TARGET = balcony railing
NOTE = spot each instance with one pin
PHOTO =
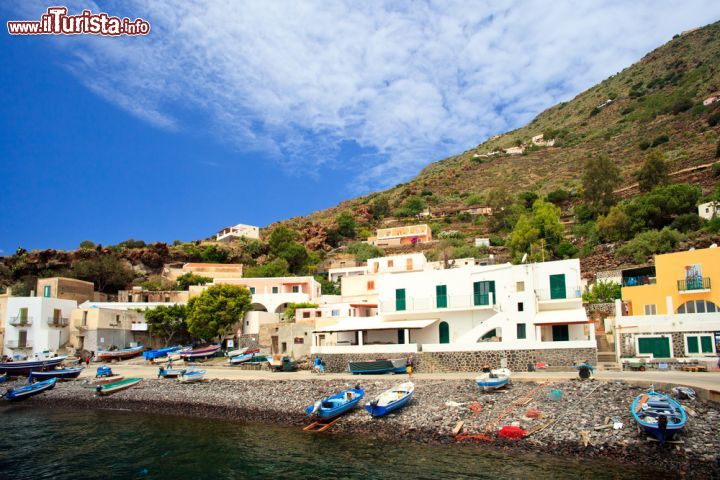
(20, 321)
(568, 293)
(58, 321)
(639, 280)
(693, 284)
(15, 344)
(80, 324)
(446, 302)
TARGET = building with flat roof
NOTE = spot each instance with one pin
(210, 270)
(36, 324)
(238, 231)
(68, 289)
(408, 235)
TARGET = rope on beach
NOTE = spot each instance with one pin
(552, 423)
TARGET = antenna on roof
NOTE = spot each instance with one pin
(524, 258)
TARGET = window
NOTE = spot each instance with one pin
(252, 290)
(560, 333)
(84, 319)
(698, 306)
(409, 264)
(371, 285)
(275, 289)
(296, 289)
(521, 332)
(284, 347)
(651, 309)
(658, 347)
(376, 267)
(46, 291)
(557, 287)
(520, 286)
(482, 291)
(391, 263)
(521, 307)
(698, 344)
(335, 313)
(441, 296)
(306, 314)
(400, 299)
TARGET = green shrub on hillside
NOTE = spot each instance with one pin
(659, 140)
(654, 172)
(474, 199)
(687, 222)
(644, 145)
(557, 196)
(566, 250)
(645, 244)
(714, 119)
(602, 292)
(363, 252)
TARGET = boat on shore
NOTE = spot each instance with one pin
(38, 363)
(282, 363)
(3, 378)
(113, 387)
(192, 375)
(377, 367)
(199, 353)
(336, 405)
(494, 379)
(159, 353)
(27, 391)
(238, 359)
(170, 372)
(59, 373)
(105, 380)
(390, 400)
(658, 414)
(121, 354)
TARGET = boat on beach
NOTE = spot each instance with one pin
(192, 375)
(38, 363)
(238, 359)
(336, 405)
(121, 354)
(113, 387)
(59, 373)
(199, 353)
(658, 414)
(27, 391)
(160, 353)
(377, 367)
(170, 372)
(105, 380)
(3, 378)
(494, 379)
(390, 400)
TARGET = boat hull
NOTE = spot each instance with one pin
(110, 388)
(647, 419)
(106, 380)
(28, 391)
(25, 367)
(240, 358)
(377, 367)
(494, 380)
(200, 353)
(382, 410)
(192, 377)
(123, 354)
(159, 353)
(171, 373)
(60, 374)
(326, 412)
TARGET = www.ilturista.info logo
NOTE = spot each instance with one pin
(57, 22)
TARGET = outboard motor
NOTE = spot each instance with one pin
(316, 407)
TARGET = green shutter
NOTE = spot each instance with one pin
(444, 332)
(441, 296)
(658, 347)
(706, 344)
(557, 286)
(481, 291)
(400, 299)
(521, 333)
(692, 345)
(46, 291)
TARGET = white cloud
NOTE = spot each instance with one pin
(413, 81)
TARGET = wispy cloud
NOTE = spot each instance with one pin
(412, 82)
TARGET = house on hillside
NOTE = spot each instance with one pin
(238, 231)
(711, 100)
(540, 141)
(709, 210)
(519, 150)
(408, 235)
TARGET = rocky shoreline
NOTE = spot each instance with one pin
(577, 425)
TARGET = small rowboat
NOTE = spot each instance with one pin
(106, 380)
(203, 352)
(17, 394)
(192, 375)
(123, 354)
(240, 358)
(170, 372)
(59, 373)
(493, 379)
(658, 414)
(113, 387)
(336, 405)
(378, 366)
(390, 400)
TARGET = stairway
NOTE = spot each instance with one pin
(606, 354)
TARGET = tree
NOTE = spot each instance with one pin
(414, 204)
(283, 245)
(186, 280)
(292, 307)
(559, 195)
(600, 177)
(503, 213)
(528, 198)
(107, 272)
(346, 225)
(327, 287)
(654, 171)
(87, 245)
(523, 236)
(651, 242)
(615, 226)
(131, 243)
(363, 251)
(212, 314)
(474, 199)
(275, 268)
(546, 218)
(214, 254)
(167, 322)
(380, 207)
(280, 238)
(603, 292)
(658, 208)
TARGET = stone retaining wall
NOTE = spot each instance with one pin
(248, 341)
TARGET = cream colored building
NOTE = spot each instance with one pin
(68, 289)
(210, 270)
(408, 235)
(140, 295)
(238, 231)
(93, 329)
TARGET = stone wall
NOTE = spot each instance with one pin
(439, 362)
(248, 341)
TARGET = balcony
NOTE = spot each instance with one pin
(561, 298)
(437, 304)
(81, 324)
(638, 281)
(16, 345)
(20, 321)
(58, 322)
(695, 285)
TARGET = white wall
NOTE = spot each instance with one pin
(40, 335)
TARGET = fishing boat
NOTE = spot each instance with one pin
(59, 373)
(197, 353)
(238, 359)
(494, 379)
(658, 414)
(336, 405)
(122, 354)
(21, 393)
(105, 380)
(38, 363)
(113, 387)
(282, 363)
(3, 378)
(192, 375)
(378, 366)
(170, 372)
(391, 399)
(159, 353)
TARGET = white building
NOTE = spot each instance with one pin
(335, 274)
(709, 210)
(36, 324)
(238, 231)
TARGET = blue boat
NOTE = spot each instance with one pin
(59, 373)
(192, 375)
(658, 414)
(493, 379)
(170, 372)
(160, 352)
(391, 400)
(237, 359)
(336, 405)
(17, 394)
(3, 378)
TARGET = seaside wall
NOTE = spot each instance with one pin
(441, 362)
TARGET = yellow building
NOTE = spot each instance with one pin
(671, 309)
(408, 235)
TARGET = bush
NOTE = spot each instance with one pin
(497, 241)
(566, 250)
(658, 208)
(714, 119)
(582, 213)
(426, 193)
(645, 244)
(363, 252)
(346, 225)
(644, 145)
(594, 111)
(558, 196)
(451, 234)
(528, 198)
(654, 172)
(659, 140)
(474, 199)
(132, 243)
(186, 280)
(681, 105)
(687, 222)
(603, 292)
(713, 226)
(463, 217)
(213, 254)
(87, 245)
(414, 204)
(627, 110)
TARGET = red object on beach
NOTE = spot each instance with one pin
(532, 413)
(508, 431)
(540, 365)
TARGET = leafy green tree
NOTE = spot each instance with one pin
(131, 243)
(654, 171)
(327, 287)
(649, 243)
(280, 238)
(283, 245)
(214, 254)
(603, 292)
(528, 198)
(185, 280)
(107, 272)
(346, 225)
(277, 267)
(212, 314)
(474, 199)
(289, 313)
(557, 196)
(87, 245)
(566, 250)
(380, 207)
(614, 226)
(363, 252)
(523, 236)
(503, 212)
(168, 322)
(600, 177)
(414, 204)
(658, 208)
(546, 218)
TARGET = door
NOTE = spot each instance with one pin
(274, 346)
(557, 286)
(24, 315)
(441, 296)
(481, 292)
(561, 333)
(444, 332)
(400, 299)
(22, 338)
(658, 347)
(401, 336)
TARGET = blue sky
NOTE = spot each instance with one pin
(254, 112)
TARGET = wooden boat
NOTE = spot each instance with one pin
(170, 372)
(336, 405)
(122, 354)
(238, 359)
(3, 378)
(39, 363)
(17, 394)
(493, 379)
(105, 380)
(378, 366)
(282, 363)
(113, 387)
(160, 352)
(391, 399)
(191, 375)
(204, 352)
(59, 373)
(658, 414)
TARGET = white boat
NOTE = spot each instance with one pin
(192, 375)
(235, 353)
(494, 379)
(390, 400)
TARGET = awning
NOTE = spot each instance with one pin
(561, 317)
(365, 323)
